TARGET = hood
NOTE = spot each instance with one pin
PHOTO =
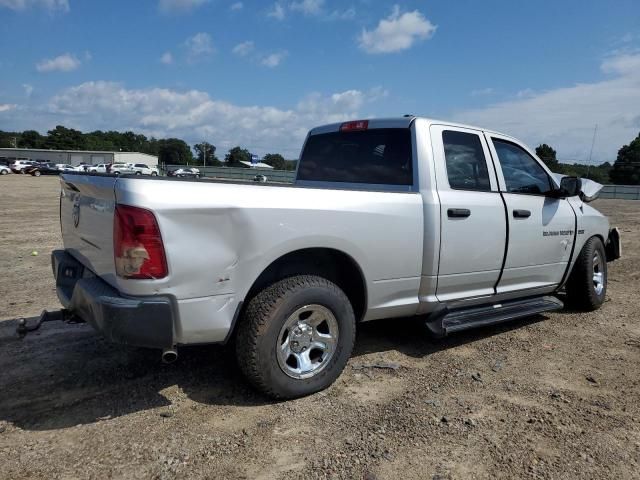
(589, 190)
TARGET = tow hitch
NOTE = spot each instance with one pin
(57, 315)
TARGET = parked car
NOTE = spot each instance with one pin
(82, 167)
(19, 165)
(121, 168)
(184, 172)
(101, 168)
(143, 169)
(42, 169)
(406, 217)
(64, 167)
(4, 170)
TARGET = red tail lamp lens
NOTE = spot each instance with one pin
(137, 244)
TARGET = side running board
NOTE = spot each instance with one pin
(450, 321)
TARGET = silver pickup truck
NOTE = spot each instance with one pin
(402, 217)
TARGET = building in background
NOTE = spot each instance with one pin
(76, 157)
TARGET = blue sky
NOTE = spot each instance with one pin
(260, 74)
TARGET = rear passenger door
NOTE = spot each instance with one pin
(541, 227)
(473, 225)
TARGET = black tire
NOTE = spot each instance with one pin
(154, 174)
(582, 289)
(36, 173)
(259, 331)
(138, 173)
(3, 172)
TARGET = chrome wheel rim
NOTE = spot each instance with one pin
(307, 341)
(598, 274)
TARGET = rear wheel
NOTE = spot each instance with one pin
(587, 285)
(3, 172)
(138, 173)
(296, 336)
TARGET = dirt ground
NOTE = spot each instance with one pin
(553, 396)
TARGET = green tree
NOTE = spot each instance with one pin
(626, 169)
(548, 156)
(276, 160)
(237, 155)
(62, 138)
(30, 139)
(173, 151)
(206, 154)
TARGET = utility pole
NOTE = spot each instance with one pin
(593, 142)
(204, 154)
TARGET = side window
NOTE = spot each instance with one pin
(466, 163)
(522, 173)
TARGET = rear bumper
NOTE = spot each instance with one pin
(138, 321)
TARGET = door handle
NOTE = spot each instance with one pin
(458, 212)
(521, 214)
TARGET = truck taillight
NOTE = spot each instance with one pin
(137, 244)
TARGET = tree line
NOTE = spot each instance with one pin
(624, 171)
(170, 151)
(174, 151)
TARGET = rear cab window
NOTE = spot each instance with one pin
(379, 156)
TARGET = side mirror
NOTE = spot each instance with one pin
(570, 186)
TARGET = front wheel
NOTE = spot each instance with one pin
(296, 336)
(3, 172)
(587, 285)
(36, 173)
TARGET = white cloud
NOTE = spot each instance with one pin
(63, 63)
(192, 115)
(167, 58)
(480, 92)
(28, 90)
(348, 14)
(179, 6)
(397, 32)
(277, 12)
(236, 6)
(243, 49)
(272, 60)
(51, 5)
(5, 107)
(199, 47)
(565, 117)
(308, 7)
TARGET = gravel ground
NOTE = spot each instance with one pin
(552, 396)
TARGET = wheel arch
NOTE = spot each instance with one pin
(330, 263)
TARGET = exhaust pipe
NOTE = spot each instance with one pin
(169, 355)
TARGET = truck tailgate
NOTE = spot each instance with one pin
(87, 205)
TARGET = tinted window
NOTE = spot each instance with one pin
(141, 165)
(376, 156)
(466, 163)
(522, 173)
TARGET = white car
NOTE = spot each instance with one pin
(4, 170)
(64, 167)
(102, 168)
(83, 167)
(19, 165)
(142, 169)
(121, 168)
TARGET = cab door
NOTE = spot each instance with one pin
(472, 215)
(541, 228)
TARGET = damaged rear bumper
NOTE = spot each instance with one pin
(137, 321)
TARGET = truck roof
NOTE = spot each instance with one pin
(397, 122)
